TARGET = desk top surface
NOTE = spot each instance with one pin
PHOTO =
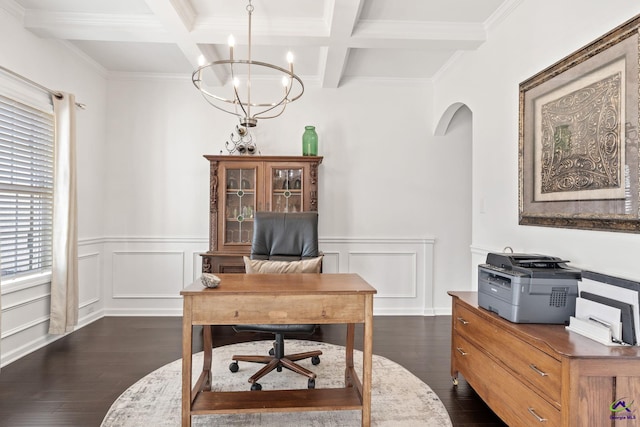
(289, 284)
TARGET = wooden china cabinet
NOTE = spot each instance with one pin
(242, 185)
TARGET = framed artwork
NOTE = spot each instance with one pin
(578, 138)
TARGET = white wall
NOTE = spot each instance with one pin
(381, 186)
(537, 34)
(25, 306)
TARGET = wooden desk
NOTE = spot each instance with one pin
(531, 374)
(277, 299)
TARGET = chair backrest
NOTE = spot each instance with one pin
(282, 236)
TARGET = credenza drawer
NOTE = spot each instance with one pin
(512, 399)
(527, 362)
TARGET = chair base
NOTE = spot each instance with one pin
(280, 360)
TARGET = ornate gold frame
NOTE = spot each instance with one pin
(618, 210)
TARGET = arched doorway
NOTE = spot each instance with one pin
(453, 139)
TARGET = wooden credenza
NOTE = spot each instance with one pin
(533, 374)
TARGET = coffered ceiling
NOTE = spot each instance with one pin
(333, 41)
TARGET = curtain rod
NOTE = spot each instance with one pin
(39, 86)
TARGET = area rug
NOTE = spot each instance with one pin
(398, 398)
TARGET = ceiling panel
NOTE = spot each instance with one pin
(129, 57)
(88, 6)
(382, 63)
(430, 11)
(262, 8)
(399, 39)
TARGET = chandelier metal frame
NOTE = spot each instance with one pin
(235, 105)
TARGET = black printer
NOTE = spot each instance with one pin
(528, 288)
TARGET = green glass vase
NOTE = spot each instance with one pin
(309, 141)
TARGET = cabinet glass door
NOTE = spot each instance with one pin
(240, 204)
(286, 190)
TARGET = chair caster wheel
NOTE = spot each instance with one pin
(272, 352)
(233, 367)
(311, 383)
(315, 360)
(455, 381)
(256, 387)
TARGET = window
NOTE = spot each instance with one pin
(26, 189)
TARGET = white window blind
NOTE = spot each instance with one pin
(26, 189)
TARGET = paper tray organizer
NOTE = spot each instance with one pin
(593, 330)
(607, 310)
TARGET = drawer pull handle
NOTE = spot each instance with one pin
(538, 417)
(461, 351)
(461, 320)
(538, 371)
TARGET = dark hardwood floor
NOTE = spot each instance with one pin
(74, 381)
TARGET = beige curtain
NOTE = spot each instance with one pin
(0, 327)
(64, 280)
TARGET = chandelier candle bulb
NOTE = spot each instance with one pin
(309, 141)
(231, 41)
(201, 61)
(290, 61)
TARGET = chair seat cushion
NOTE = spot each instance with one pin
(257, 266)
(276, 329)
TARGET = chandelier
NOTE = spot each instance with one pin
(238, 71)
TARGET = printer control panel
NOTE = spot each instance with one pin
(503, 270)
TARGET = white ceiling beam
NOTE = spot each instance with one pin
(178, 18)
(343, 18)
(332, 64)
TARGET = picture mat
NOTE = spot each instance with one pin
(617, 67)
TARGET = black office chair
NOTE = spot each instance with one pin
(282, 243)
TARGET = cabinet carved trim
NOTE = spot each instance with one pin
(313, 173)
(213, 207)
(206, 264)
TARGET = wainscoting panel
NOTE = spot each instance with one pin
(143, 276)
(26, 305)
(90, 275)
(386, 268)
(401, 270)
(19, 309)
(147, 274)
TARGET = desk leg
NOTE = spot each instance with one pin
(367, 362)
(206, 366)
(349, 369)
(187, 331)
